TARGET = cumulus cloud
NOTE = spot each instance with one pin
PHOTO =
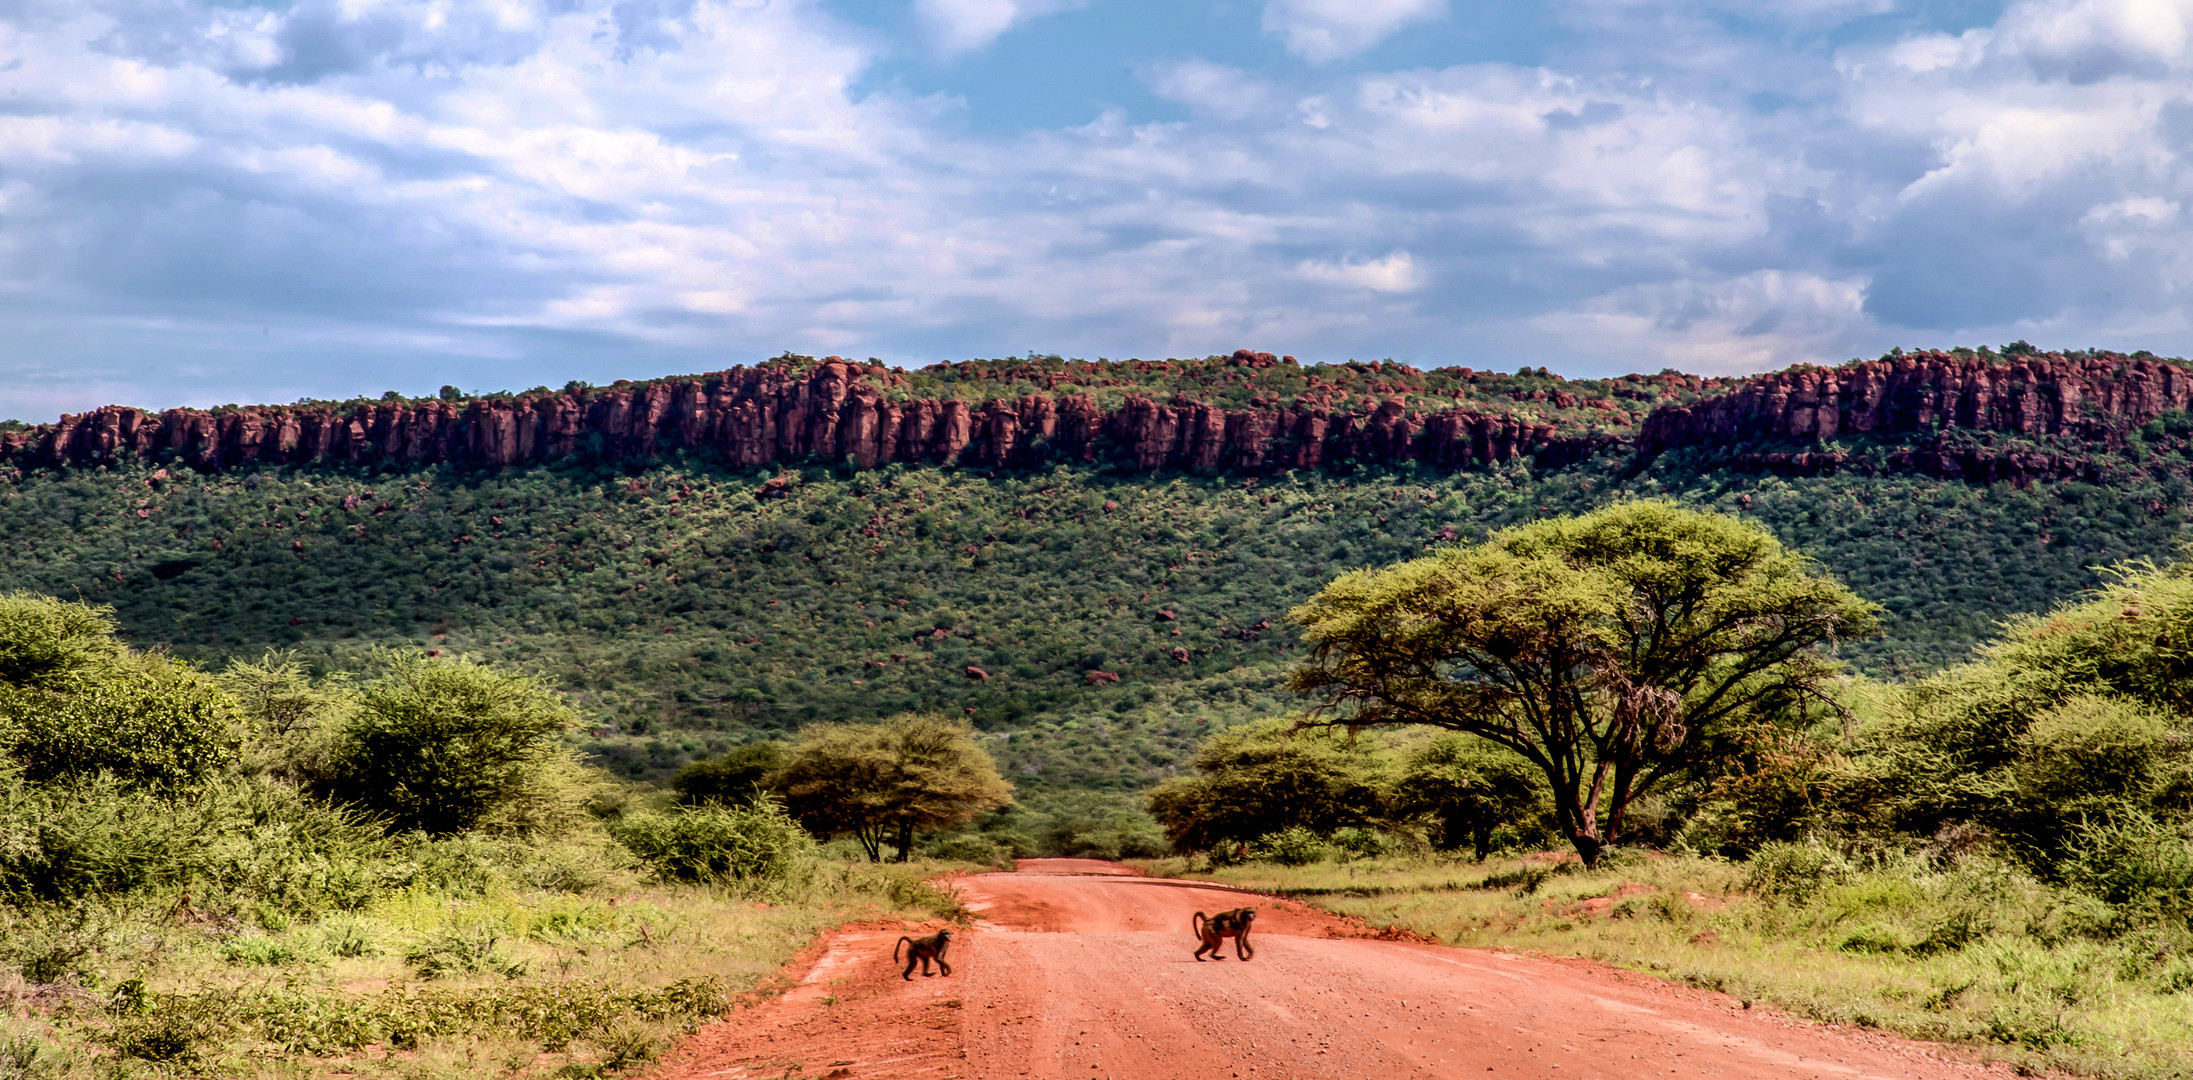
(210, 202)
(966, 25)
(1215, 90)
(1396, 273)
(1322, 31)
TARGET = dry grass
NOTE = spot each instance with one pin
(513, 979)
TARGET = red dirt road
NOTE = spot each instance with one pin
(1079, 969)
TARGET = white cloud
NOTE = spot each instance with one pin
(1396, 273)
(1215, 90)
(966, 25)
(1754, 322)
(2088, 40)
(1322, 31)
(202, 199)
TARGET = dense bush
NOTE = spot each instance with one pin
(754, 843)
(442, 745)
(1470, 787)
(147, 721)
(44, 640)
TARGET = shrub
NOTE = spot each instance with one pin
(755, 843)
(1793, 872)
(1362, 843)
(2133, 861)
(1296, 846)
(1265, 778)
(441, 745)
(96, 838)
(149, 721)
(1470, 787)
(44, 641)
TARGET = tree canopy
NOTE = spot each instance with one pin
(1265, 778)
(1615, 651)
(882, 782)
(1469, 786)
(439, 745)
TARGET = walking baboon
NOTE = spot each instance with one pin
(922, 951)
(1213, 931)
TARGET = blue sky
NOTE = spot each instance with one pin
(262, 200)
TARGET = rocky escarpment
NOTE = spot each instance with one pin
(1944, 409)
(780, 414)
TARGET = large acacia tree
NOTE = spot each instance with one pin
(1616, 651)
(881, 782)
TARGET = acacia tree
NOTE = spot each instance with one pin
(1614, 651)
(1471, 788)
(881, 782)
(1261, 779)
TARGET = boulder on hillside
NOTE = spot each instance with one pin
(977, 674)
(1101, 678)
(1180, 656)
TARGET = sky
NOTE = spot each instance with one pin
(214, 201)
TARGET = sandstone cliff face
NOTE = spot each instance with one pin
(772, 415)
(1926, 399)
(2095, 399)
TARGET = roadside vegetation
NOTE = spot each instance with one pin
(1998, 854)
(398, 871)
(1974, 950)
(547, 765)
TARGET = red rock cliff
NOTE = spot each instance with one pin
(2097, 399)
(773, 415)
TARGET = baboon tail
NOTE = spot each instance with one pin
(1196, 924)
(901, 943)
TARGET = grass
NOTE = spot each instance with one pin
(1976, 953)
(511, 978)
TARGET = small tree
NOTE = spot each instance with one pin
(1614, 651)
(882, 782)
(1266, 778)
(1471, 787)
(438, 745)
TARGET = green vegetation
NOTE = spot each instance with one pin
(391, 844)
(683, 616)
(882, 782)
(1623, 652)
(393, 872)
(1999, 854)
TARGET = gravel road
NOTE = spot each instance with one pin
(1079, 969)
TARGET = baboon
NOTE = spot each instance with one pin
(923, 950)
(1213, 931)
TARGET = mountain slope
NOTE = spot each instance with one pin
(691, 602)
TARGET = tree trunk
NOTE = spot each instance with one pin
(906, 840)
